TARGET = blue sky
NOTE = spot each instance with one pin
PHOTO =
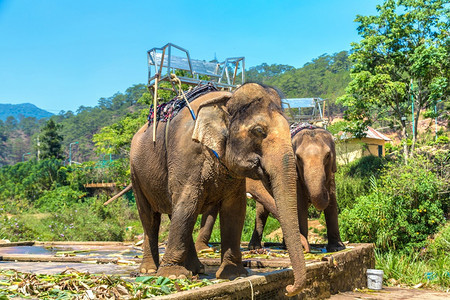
(61, 54)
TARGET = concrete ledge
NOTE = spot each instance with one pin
(338, 272)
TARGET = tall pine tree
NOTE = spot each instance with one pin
(51, 141)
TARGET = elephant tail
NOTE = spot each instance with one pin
(129, 187)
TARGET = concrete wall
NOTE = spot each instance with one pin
(352, 149)
(337, 272)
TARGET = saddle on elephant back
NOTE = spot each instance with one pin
(166, 111)
(297, 127)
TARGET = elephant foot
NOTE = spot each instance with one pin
(147, 267)
(173, 271)
(199, 246)
(195, 266)
(253, 245)
(335, 246)
(231, 271)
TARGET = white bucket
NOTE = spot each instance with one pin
(374, 279)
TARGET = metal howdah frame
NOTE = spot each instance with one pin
(162, 63)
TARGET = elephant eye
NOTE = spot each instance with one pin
(259, 131)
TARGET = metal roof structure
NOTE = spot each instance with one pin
(304, 109)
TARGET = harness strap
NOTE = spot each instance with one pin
(167, 131)
(297, 127)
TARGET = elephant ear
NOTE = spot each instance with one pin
(211, 125)
(333, 164)
(333, 160)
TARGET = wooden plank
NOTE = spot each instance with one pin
(51, 258)
(14, 244)
(100, 185)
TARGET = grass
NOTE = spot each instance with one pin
(429, 267)
(411, 269)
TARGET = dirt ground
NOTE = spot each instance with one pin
(392, 293)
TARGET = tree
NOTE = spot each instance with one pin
(264, 73)
(3, 138)
(51, 140)
(404, 54)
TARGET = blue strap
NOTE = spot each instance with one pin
(192, 113)
(215, 153)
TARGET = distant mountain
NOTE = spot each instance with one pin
(25, 110)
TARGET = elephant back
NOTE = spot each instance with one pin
(166, 111)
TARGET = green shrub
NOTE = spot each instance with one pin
(443, 139)
(352, 180)
(366, 166)
(400, 212)
(440, 245)
(88, 221)
(337, 127)
(59, 198)
(28, 180)
(348, 189)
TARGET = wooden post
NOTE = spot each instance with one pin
(155, 106)
(235, 72)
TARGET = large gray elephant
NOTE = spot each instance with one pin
(235, 135)
(316, 164)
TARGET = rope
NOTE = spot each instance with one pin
(251, 286)
(177, 81)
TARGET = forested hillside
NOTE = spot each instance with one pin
(325, 77)
(18, 138)
(19, 111)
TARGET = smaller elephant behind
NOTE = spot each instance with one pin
(316, 164)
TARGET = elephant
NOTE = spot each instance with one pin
(316, 164)
(203, 160)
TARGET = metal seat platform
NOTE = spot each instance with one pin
(162, 63)
(305, 110)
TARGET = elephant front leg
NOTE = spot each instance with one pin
(232, 214)
(302, 207)
(260, 221)
(331, 218)
(180, 259)
(207, 225)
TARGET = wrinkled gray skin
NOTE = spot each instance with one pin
(316, 165)
(250, 135)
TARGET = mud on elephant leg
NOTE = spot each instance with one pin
(260, 221)
(232, 214)
(207, 225)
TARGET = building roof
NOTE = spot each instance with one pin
(374, 134)
(370, 134)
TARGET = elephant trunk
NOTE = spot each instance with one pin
(315, 181)
(282, 173)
